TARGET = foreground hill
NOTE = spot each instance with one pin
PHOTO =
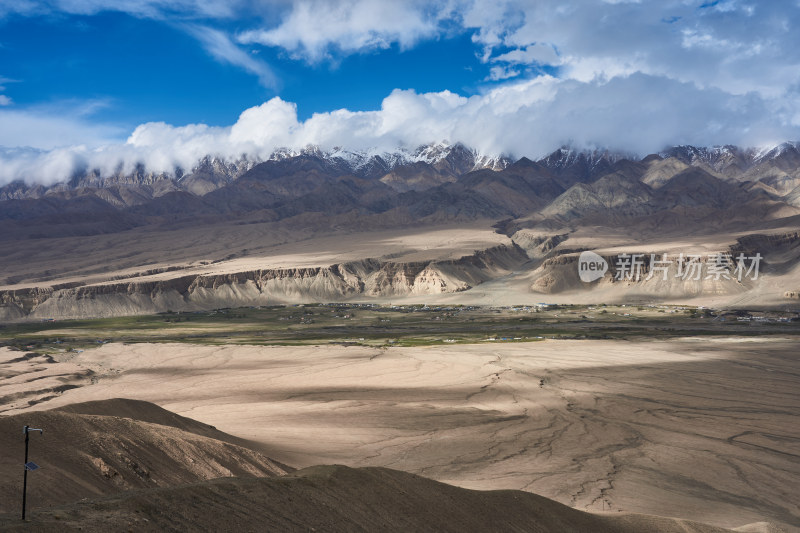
(90, 455)
(338, 498)
(130, 465)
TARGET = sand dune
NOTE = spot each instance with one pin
(700, 428)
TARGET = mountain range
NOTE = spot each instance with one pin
(552, 208)
(296, 174)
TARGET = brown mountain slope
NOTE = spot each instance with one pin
(660, 171)
(90, 455)
(153, 414)
(144, 412)
(338, 498)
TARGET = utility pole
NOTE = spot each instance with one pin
(28, 465)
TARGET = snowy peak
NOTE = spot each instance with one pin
(566, 157)
(429, 165)
(738, 163)
(433, 153)
(572, 165)
(788, 147)
(454, 159)
(725, 160)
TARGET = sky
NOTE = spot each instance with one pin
(107, 84)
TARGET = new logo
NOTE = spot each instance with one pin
(591, 267)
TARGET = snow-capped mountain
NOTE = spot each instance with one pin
(376, 163)
(567, 156)
(443, 159)
(733, 161)
(419, 168)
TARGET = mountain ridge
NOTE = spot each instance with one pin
(446, 161)
(588, 198)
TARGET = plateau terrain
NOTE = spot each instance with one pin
(368, 266)
(428, 340)
(441, 221)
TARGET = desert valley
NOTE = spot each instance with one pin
(461, 346)
(366, 265)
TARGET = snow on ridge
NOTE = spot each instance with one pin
(360, 159)
(377, 161)
(717, 156)
(771, 152)
(568, 155)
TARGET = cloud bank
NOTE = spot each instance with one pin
(530, 118)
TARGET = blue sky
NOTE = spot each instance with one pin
(140, 70)
(101, 83)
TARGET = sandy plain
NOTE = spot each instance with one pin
(701, 428)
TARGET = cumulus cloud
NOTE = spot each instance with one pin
(733, 45)
(524, 117)
(738, 46)
(498, 72)
(312, 28)
(536, 53)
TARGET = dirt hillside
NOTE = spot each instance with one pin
(338, 498)
(87, 455)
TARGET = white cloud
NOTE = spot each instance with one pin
(5, 100)
(525, 117)
(4, 81)
(737, 46)
(313, 27)
(539, 53)
(219, 45)
(497, 73)
(146, 8)
(23, 7)
(40, 146)
(216, 42)
(734, 46)
(52, 126)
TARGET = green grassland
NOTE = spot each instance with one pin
(370, 325)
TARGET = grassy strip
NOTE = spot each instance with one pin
(385, 326)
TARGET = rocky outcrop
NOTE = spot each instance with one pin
(368, 278)
(560, 273)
